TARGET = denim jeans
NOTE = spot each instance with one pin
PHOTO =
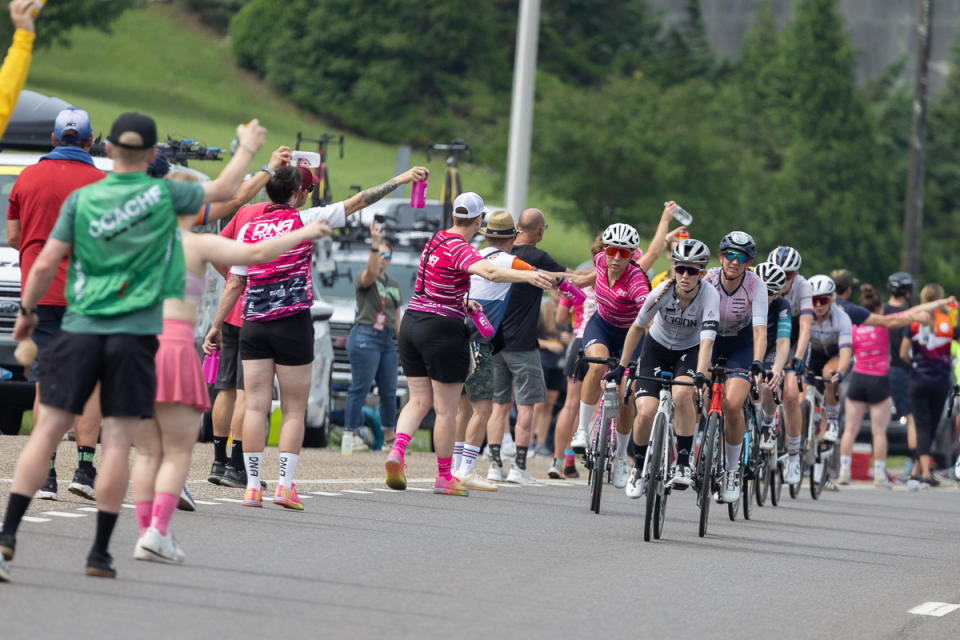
(373, 356)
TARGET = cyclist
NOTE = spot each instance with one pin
(685, 315)
(778, 347)
(742, 335)
(621, 287)
(831, 345)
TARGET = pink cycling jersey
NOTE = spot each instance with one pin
(620, 304)
(871, 348)
(244, 215)
(748, 303)
(444, 281)
(581, 312)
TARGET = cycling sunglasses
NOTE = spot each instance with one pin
(686, 270)
(386, 255)
(821, 300)
(736, 256)
(613, 252)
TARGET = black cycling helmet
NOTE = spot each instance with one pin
(739, 241)
(900, 283)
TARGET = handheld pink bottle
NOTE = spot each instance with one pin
(418, 194)
(211, 362)
(571, 290)
(482, 323)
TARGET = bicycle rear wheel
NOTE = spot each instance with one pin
(654, 480)
(600, 465)
(707, 465)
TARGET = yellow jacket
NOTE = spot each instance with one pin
(13, 74)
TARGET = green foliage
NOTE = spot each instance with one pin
(215, 13)
(59, 18)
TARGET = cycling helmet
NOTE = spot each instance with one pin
(823, 285)
(739, 241)
(787, 257)
(621, 235)
(773, 275)
(690, 251)
(900, 283)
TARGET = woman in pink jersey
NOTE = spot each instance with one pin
(869, 387)
(433, 341)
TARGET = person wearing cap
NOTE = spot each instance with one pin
(35, 201)
(276, 339)
(125, 259)
(371, 343)
(433, 340)
(16, 63)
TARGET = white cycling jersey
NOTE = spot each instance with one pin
(800, 296)
(745, 305)
(835, 332)
(678, 329)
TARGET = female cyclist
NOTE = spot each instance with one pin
(831, 346)
(685, 316)
(742, 337)
(778, 348)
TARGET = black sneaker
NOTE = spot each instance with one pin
(82, 484)
(237, 479)
(570, 471)
(100, 565)
(217, 469)
(49, 489)
(8, 545)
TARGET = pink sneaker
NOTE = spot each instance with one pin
(451, 487)
(396, 478)
(288, 498)
(253, 498)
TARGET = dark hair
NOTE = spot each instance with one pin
(72, 142)
(283, 184)
(869, 298)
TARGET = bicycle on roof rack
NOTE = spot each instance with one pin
(451, 187)
(322, 195)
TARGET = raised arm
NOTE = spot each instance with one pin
(368, 196)
(369, 274)
(247, 191)
(13, 74)
(250, 137)
(659, 240)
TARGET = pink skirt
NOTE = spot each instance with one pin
(179, 374)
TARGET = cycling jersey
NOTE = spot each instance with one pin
(678, 329)
(748, 303)
(778, 323)
(834, 333)
(871, 347)
(581, 312)
(800, 296)
(619, 304)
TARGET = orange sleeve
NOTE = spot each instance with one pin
(521, 265)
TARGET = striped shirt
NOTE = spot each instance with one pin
(443, 281)
(619, 304)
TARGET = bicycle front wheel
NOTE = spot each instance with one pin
(600, 465)
(818, 476)
(654, 471)
(733, 508)
(707, 465)
(805, 414)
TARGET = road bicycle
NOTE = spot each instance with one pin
(322, 196)
(602, 442)
(815, 454)
(754, 467)
(709, 465)
(773, 461)
(451, 187)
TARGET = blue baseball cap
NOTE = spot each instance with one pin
(72, 124)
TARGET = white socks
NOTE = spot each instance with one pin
(457, 454)
(845, 462)
(622, 439)
(252, 462)
(288, 464)
(733, 456)
(793, 445)
(879, 469)
(467, 460)
(586, 413)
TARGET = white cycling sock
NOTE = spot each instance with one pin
(832, 411)
(793, 445)
(468, 459)
(586, 414)
(457, 454)
(845, 462)
(252, 462)
(622, 439)
(288, 464)
(733, 456)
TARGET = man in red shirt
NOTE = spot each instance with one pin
(35, 202)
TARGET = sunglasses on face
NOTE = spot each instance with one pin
(821, 300)
(684, 270)
(618, 252)
(386, 254)
(736, 256)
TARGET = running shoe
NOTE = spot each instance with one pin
(186, 502)
(156, 547)
(100, 565)
(833, 432)
(217, 469)
(932, 480)
(883, 482)
(579, 441)
(731, 486)
(571, 471)
(681, 478)
(83, 480)
(49, 489)
(829, 486)
(396, 477)
(8, 545)
(288, 498)
(236, 478)
(519, 476)
(473, 481)
(793, 475)
(253, 498)
(636, 486)
(4, 571)
(555, 471)
(844, 477)
(451, 487)
(620, 472)
(766, 438)
(496, 473)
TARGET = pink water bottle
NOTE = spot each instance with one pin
(571, 290)
(482, 323)
(211, 362)
(418, 194)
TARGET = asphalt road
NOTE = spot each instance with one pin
(365, 562)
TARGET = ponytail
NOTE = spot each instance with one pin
(672, 282)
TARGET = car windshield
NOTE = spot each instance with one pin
(349, 271)
(6, 185)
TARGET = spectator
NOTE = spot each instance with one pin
(900, 285)
(35, 202)
(13, 74)
(552, 342)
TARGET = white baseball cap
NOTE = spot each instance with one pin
(468, 205)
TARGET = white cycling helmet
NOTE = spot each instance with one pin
(621, 235)
(787, 257)
(690, 251)
(773, 275)
(823, 285)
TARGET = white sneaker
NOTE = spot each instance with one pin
(496, 473)
(636, 486)
(681, 478)
(620, 472)
(346, 443)
(731, 486)
(833, 432)
(766, 438)
(473, 481)
(883, 482)
(844, 477)
(793, 475)
(519, 476)
(158, 548)
(579, 441)
(556, 471)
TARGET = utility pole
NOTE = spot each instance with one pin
(521, 106)
(913, 210)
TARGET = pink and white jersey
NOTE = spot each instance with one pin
(442, 279)
(871, 348)
(746, 305)
(620, 304)
(581, 312)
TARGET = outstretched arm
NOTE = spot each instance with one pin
(250, 137)
(368, 196)
(213, 248)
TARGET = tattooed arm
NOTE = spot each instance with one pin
(369, 196)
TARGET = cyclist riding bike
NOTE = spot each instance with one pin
(831, 345)
(778, 347)
(685, 316)
(742, 339)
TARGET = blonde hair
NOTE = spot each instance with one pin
(671, 283)
(930, 292)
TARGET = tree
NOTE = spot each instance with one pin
(58, 19)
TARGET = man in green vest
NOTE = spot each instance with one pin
(125, 258)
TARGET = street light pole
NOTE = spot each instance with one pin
(521, 107)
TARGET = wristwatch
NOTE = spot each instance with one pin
(26, 312)
(266, 167)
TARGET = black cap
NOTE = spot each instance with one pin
(137, 123)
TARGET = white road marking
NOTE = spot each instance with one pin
(88, 509)
(128, 506)
(357, 491)
(205, 502)
(234, 500)
(936, 609)
(63, 514)
(35, 519)
(323, 493)
(418, 489)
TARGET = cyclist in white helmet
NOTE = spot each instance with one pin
(831, 346)
(778, 346)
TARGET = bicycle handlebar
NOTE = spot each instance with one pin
(322, 142)
(454, 147)
(836, 387)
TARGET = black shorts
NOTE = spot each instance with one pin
(49, 319)
(867, 388)
(654, 356)
(124, 365)
(574, 367)
(287, 341)
(817, 360)
(555, 379)
(433, 346)
(230, 372)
